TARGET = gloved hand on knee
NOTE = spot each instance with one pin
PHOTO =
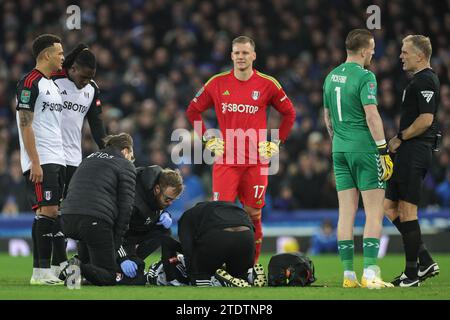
(129, 268)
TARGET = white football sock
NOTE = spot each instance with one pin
(56, 270)
(36, 273)
(350, 275)
(369, 274)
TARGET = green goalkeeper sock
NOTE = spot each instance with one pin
(371, 246)
(346, 252)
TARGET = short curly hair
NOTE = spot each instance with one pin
(43, 42)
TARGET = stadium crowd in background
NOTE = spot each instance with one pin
(153, 56)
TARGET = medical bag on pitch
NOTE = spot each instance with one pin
(291, 269)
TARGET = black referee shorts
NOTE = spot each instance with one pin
(50, 190)
(411, 163)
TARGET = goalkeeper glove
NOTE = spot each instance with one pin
(268, 149)
(215, 145)
(386, 162)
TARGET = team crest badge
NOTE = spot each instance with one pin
(47, 195)
(255, 95)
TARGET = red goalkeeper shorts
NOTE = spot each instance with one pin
(249, 183)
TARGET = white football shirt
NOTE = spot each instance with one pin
(76, 104)
(40, 95)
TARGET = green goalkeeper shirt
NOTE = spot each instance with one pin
(346, 90)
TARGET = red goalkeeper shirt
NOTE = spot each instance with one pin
(241, 110)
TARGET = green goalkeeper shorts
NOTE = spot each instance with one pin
(357, 170)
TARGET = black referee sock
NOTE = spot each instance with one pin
(35, 247)
(411, 240)
(425, 258)
(59, 243)
(44, 236)
(398, 224)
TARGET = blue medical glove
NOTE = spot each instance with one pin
(165, 220)
(129, 268)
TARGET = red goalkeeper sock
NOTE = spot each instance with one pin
(258, 238)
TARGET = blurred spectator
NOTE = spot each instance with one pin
(329, 198)
(193, 190)
(4, 178)
(307, 182)
(14, 193)
(443, 191)
(285, 201)
(324, 240)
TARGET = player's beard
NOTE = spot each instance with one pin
(161, 206)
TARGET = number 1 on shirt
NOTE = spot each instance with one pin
(338, 97)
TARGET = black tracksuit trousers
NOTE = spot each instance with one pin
(97, 236)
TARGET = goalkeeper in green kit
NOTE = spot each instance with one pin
(360, 159)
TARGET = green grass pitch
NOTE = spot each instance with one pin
(15, 274)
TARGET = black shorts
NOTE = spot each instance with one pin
(49, 191)
(411, 163)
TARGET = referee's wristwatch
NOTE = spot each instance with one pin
(400, 136)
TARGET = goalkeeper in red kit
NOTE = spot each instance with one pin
(240, 98)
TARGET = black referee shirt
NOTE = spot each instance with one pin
(421, 95)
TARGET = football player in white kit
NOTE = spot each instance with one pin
(80, 98)
(39, 117)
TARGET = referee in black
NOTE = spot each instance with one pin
(213, 233)
(413, 147)
(97, 208)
